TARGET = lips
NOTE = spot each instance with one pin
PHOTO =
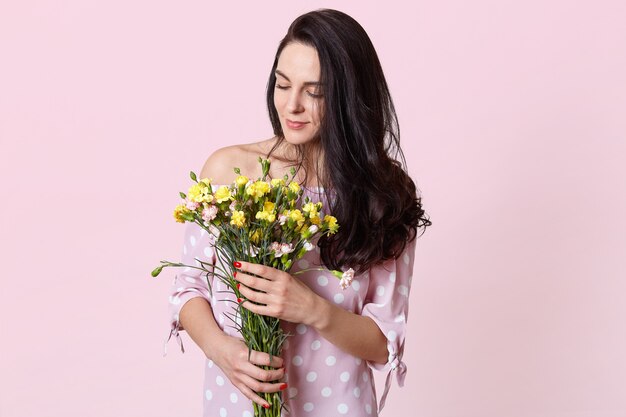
(295, 125)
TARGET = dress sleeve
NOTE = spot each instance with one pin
(387, 303)
(190, 282)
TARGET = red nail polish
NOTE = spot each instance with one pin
(266, 406)
(239, 300)
(238, 285)
(283, 386)
(237, 264)
(235, 274)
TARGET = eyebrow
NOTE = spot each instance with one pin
(306, 83)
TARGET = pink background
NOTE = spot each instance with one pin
(513, 121)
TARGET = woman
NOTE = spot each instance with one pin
(333, 119)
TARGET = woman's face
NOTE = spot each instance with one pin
(298, 94)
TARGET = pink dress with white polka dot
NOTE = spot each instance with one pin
(323, 379)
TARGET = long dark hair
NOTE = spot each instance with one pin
(377, 206)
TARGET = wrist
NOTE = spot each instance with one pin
(213, 344)
(322, 313)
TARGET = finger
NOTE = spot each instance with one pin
(262, 375)
(256, 296)
(263, 359)
(257, 283)
(251, 395)
(258, 386)
(257, 308)
(256, 269)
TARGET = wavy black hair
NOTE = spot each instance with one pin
(378, 209)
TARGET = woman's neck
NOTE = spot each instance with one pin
(312, 162)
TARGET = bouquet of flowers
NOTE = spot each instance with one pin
(263, 222)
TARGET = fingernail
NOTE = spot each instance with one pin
(283, 386)
(235, 274)
(266, 406)
(238, 285)
(237, 264)
(239, 300)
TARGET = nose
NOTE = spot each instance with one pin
(294, 104)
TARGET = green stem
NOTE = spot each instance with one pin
(309, 269)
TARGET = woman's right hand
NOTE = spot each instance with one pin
(231, 355)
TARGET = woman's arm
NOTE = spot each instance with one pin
(355, 334)
(196, 318)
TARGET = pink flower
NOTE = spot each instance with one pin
(209, 213)
(190, 204)
(346, 279)
(286, 248)
(280, 249)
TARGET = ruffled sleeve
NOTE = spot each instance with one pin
(190, 282)
(387, 303)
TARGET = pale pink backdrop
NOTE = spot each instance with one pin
(513, 121)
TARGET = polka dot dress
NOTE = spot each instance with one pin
(323, 380)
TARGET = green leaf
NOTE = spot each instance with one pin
(157, 270)
(193, 176)
(182, 195)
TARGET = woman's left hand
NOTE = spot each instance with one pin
(282, 295)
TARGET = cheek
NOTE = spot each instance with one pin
(278, 101)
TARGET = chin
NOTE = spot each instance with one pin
(297, 138)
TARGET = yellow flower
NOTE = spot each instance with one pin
(294, 186)
(267, 213)
(200, 192)
(238, 218)
(258, 189)
(264, 215)
(277, 181)
(308, 207)
(263, 187)
(268, 206)
(222, 194)
(256, 236)
(331, 221)
(316, 219)
(296, 216)
(241, 180)
(179, 211)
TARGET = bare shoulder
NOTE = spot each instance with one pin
(220, 164)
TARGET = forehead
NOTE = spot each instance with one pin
(299, 61)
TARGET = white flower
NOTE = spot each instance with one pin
(308, 246)
(253, 251)
(313, 229)
(282, 219)
(346, 279)
(232, 206)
